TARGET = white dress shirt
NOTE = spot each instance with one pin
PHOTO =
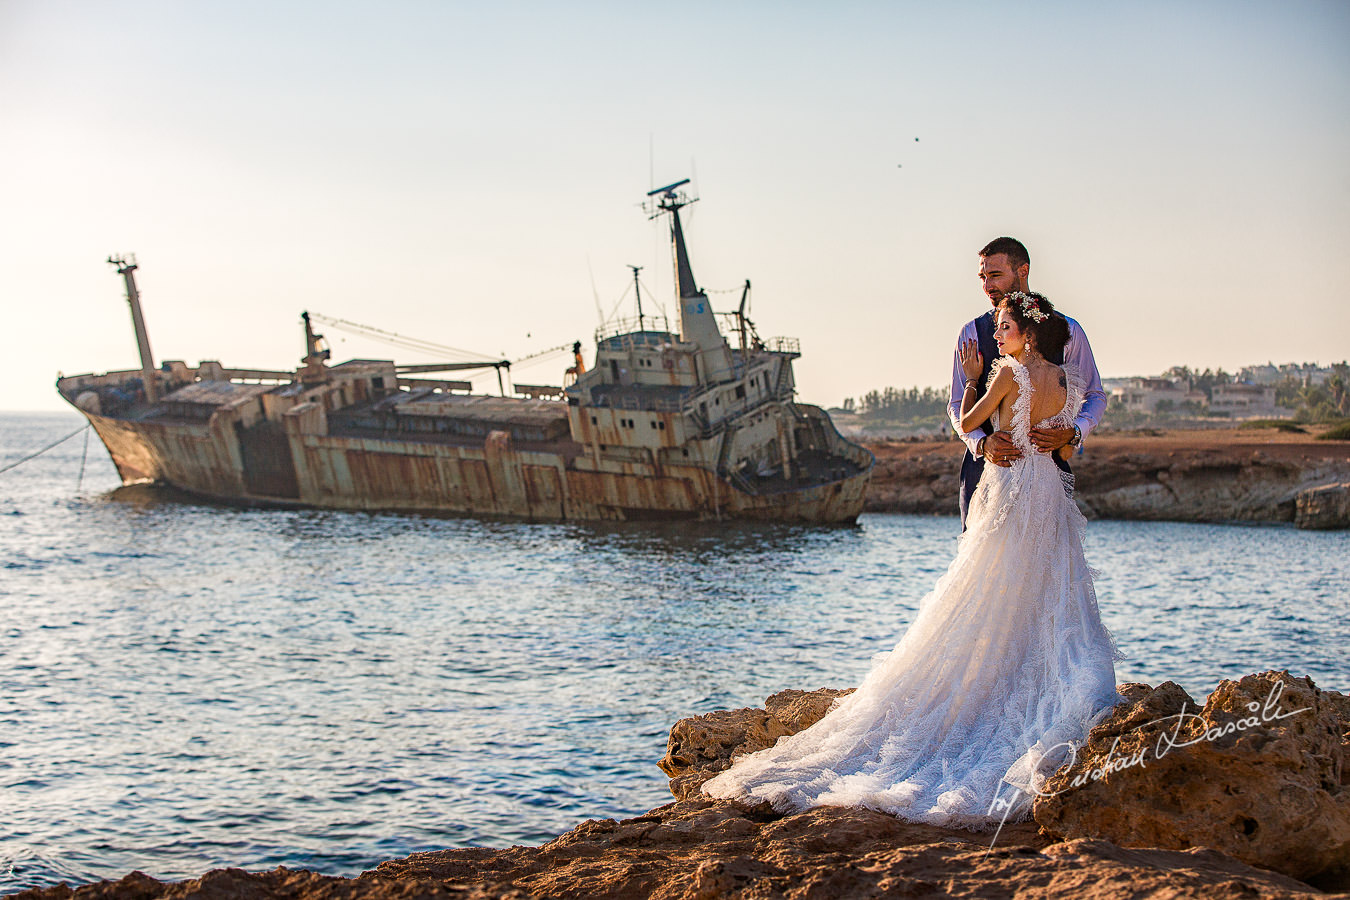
(1077, 352)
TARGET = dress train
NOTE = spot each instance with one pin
(1002, 673)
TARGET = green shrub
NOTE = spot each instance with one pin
(1339, 432)
(1278, 424)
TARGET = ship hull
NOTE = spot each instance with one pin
(287, 466)
(666, 424)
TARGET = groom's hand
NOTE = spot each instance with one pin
(1000, 450)
(1047, 440)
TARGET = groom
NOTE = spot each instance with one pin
(1004, 267)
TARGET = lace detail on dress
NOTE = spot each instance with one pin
(1020, 430)
(1075, 385)
(1005, 666)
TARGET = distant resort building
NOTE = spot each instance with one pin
(1306, 373)
(1251, 394)
(1148, 394)
(1245, 400)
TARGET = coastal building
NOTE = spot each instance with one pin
(1303, 373)
(1244, 400)
(1152, 394)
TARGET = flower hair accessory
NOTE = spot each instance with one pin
(1030, 308)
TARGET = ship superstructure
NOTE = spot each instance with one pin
(665, 424)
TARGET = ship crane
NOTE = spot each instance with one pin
(667, 423)
(399, 340)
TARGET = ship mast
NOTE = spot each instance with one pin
(126, 266)
(314, 370)
(697, 324)
(637, 291)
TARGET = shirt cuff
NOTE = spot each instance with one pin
(972, 439)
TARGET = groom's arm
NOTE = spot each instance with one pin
(1078, 352)
(958, 387)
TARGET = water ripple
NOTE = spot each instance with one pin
(199, 686)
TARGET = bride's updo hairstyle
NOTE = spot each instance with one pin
(1035, 315)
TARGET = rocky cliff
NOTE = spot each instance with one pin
(1201, 476)
(1267, 785)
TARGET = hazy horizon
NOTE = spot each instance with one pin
(472, 177)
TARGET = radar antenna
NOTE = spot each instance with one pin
(670, 199)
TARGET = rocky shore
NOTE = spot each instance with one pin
(1232, 475)
(1244, 796)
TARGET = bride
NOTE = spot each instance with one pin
(1007, 664)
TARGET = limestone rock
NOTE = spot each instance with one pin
(710, 849)
(1187, 477)
(1271, 773)
(1326, 506)
(697, 849)
(701, 746)
(1261, 773)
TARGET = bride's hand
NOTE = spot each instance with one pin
(971, 361)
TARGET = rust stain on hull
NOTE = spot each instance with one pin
(668, 423)
(494, 479)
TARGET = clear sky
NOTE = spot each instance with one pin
(470, 174)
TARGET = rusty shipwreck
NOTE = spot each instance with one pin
(664, 425)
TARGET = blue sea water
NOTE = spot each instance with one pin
(186, 686)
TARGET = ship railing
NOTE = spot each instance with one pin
(728, 323)
(784, 345)
(260, 376)
(641, 404)
(633, 332)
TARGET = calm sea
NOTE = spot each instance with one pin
(184, 687)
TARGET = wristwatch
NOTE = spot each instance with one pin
(979, 446)
(1077, 436)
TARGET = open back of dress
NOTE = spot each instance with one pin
(1005, 668)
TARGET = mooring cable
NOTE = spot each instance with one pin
(84, 455)
(19, 462)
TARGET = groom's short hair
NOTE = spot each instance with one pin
(1012, 248)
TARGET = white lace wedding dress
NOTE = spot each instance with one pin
(1005, 668)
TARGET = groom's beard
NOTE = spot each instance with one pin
(997, 296)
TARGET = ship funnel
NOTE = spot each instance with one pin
(697, 323)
